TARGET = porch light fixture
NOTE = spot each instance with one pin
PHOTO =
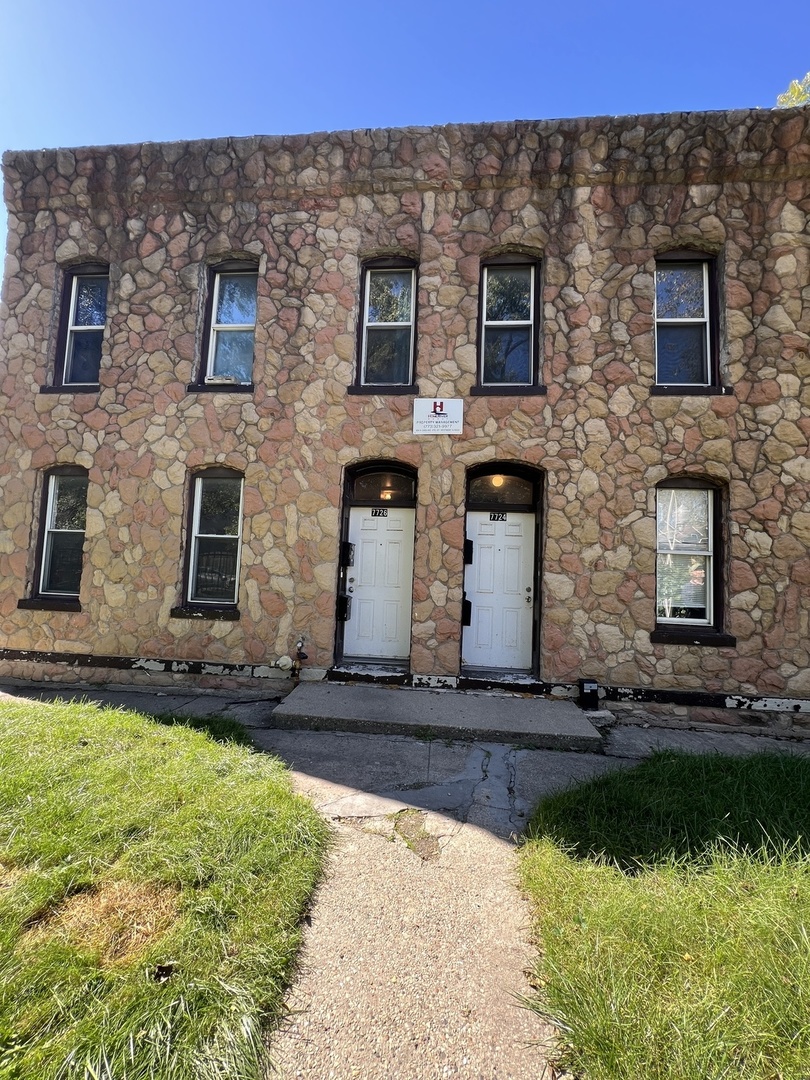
(497, 481)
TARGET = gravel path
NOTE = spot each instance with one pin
(412, 966)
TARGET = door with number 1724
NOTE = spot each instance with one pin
(499, 588)
(380, 583)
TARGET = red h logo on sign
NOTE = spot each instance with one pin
(438, 408)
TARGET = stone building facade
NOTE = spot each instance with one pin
(522, 402)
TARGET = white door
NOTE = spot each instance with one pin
(380, 583)
(499, 584)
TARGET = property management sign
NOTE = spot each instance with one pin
(438, 416)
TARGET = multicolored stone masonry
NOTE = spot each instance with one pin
(595, 202)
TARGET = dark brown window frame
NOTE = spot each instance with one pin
(222, 611)
(714, 387)
(387, 262)
(669, 633)
(202, 385)
(39, 600)
(92, 268)
(536, 386)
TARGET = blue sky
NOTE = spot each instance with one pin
(96, 72)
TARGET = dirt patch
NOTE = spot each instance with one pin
(409, 825)
(119, 919)
(9, 875)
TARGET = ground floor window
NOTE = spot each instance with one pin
(215, 538)
(60, 570)
(686, 563)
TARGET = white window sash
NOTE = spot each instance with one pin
(496, 324)
(218, 327)
(705, 553)
(50, 532)
(73, 329)
(197, 536)
(403, 325)
(703, 321)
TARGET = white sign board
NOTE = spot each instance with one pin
(438, 416)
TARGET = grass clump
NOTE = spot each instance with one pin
(151, 888)
(673, 912)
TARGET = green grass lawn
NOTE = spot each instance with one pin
(152, 882)
(673, 919)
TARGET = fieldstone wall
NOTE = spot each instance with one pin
(596, 200)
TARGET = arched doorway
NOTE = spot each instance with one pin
(501, 575)
(375, 586)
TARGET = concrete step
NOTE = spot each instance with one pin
(446, 714)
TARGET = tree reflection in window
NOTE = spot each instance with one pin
(684, 560)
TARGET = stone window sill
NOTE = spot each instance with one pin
(508, 391)
(677, 635)
(213, 612)
(383, 390)
(50, 603)
(688, 390)
(77, 388)
(220, 388)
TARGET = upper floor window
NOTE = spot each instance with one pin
(231, 325)
(387, 340)
(508, 325)
(63, 527)
(84, 314)
(685, 323)
(216, 531)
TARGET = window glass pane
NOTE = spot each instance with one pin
(682, 581)
(63, 563)
(681, 353)
(233, 355)
(679, 291)
(383, 486)
(501, 490)
(219, 506)
(84, 356)
(215, 576)
(683, 519)
(91, 301)
(509, 294)
(389, 296)
(507, 355)
(70, 502)
(388, 356)
(236, 305)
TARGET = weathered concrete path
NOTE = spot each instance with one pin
(415, 960)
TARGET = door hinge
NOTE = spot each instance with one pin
(346, 553)
(466, 612)
(344, 607)
(468, 551)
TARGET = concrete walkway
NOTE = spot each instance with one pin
(414, 960)
(393, 710)
(414, 963)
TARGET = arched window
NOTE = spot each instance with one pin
(686, 321)
(60, 545)
(509, 322)
(214, 542)
(688, 563)
(81, 326)
(230, 325)
(388, 331)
